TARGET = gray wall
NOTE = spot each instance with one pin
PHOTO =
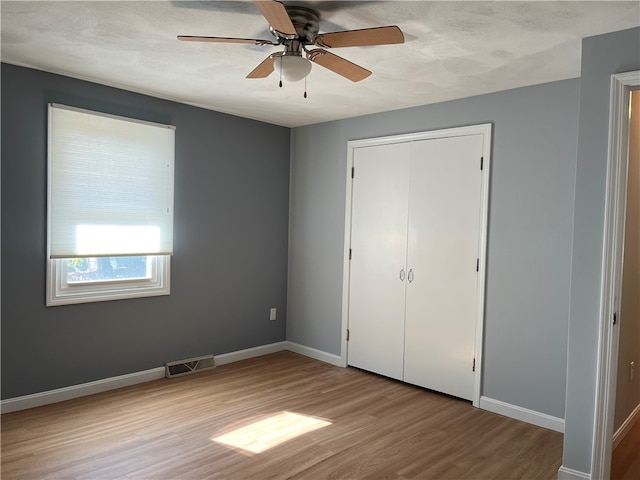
(230, 261)
(530, 228)
(601, 56)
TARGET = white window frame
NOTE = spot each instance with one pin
(60, 292)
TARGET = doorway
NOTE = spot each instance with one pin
(622, 86)
(627, 396)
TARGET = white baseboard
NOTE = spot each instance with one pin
(250, 353)
(565, 473)
(313, 353)
(99, 386)
(75, 391)
(523, 414)
(625, 427)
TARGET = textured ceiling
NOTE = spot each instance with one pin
(451, 50)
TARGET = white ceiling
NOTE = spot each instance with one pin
(451, 50)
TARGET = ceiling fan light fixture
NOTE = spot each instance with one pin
(294, 68)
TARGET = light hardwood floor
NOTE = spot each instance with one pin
(625, 460)
(379, 429)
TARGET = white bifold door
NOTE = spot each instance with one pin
(415, 241)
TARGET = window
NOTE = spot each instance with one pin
(110, 207)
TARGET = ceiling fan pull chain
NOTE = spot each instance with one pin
(305, 87)
(280, 84)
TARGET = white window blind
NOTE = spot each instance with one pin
(110, 185)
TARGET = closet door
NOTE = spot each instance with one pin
(379, 246)
(443, 245)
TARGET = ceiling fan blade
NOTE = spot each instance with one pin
(197, 38)
(337, 64)
(360, 38)
(265, 68)
(277, 16)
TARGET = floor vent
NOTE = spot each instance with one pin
(190, 365)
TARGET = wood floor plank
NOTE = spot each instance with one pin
(625, 459)
(358, 425)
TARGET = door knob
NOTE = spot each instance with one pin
(410, 275)
(402, 274)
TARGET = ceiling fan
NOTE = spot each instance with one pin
(296, 28)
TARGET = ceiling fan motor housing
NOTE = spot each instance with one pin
(305, 20)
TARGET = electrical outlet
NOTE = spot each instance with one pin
(631, 368)
(272, 314)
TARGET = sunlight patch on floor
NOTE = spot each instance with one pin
(270, 432)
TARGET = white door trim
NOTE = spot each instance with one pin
(611, 282)
(483, 129)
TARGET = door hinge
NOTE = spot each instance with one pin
(477, 264)
(481, 162)
(349, 254)
(347, 334)
(473, 367)
(353, 172)
(615, 318)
